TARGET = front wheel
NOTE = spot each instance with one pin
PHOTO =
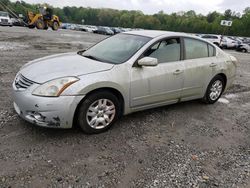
(40, 24)
(55, 26)
(214, 90)
(98, 112)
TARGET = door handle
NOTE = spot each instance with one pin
(177, 72)
(213, 65)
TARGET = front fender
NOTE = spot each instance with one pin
(106, 79)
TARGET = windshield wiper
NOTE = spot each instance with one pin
(91, 57)
(95, 58)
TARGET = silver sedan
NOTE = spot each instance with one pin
(125, 73)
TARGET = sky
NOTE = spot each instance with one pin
(154, 6)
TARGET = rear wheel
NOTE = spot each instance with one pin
(214, 90)
(40, 24)
(244, 50)
(55, 26)
(98, 112)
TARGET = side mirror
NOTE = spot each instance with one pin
(148, 61)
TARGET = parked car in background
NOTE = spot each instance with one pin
(244, 47)
(122, 74)
(5, 19)
(215, 39)
(229, 43)
(82, 28)
(91, 28)
(73, 27)
(246, 40)
(238, 40)
(17, 22)
(116, 30)
(104, 31)
(66, 26)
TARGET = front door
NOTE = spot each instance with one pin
(162, 83)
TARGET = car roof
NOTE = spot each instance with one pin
(155, 33)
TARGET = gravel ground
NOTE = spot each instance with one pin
(183, 145)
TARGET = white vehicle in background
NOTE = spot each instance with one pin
(244, 48)
(91, 28)
(226, 42)
(5, 19)
(215, 39)
(73, 27)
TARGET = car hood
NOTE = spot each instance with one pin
(62, 65)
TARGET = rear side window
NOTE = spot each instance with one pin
(195, 49)
(211, 50)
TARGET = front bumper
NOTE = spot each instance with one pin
(53, 112)
(6, 24)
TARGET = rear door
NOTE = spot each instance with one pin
(199, 63)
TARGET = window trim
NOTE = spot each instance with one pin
(160, 40)
(184, 50)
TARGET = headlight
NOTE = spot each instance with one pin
(54, 88)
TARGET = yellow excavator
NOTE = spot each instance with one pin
(44, 19)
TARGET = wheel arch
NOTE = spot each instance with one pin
(224, 78)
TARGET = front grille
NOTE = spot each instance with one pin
(4, 20)
(23, 83)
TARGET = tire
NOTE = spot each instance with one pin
(244, 50)
(98, 112)
(40, 24)
(46, 27)
(214, 90)
(31, 26)
(55, 26)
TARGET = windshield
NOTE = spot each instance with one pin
(3, 14)
(116, 49)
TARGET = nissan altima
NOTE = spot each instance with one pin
(122, 74)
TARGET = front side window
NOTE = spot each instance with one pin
(168, 50)
(195, 49)
(116, 49)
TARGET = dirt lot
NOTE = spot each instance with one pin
(183, 145)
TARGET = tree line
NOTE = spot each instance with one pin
(189, 21)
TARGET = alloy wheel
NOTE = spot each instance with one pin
(100, 113)
(216, 90)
